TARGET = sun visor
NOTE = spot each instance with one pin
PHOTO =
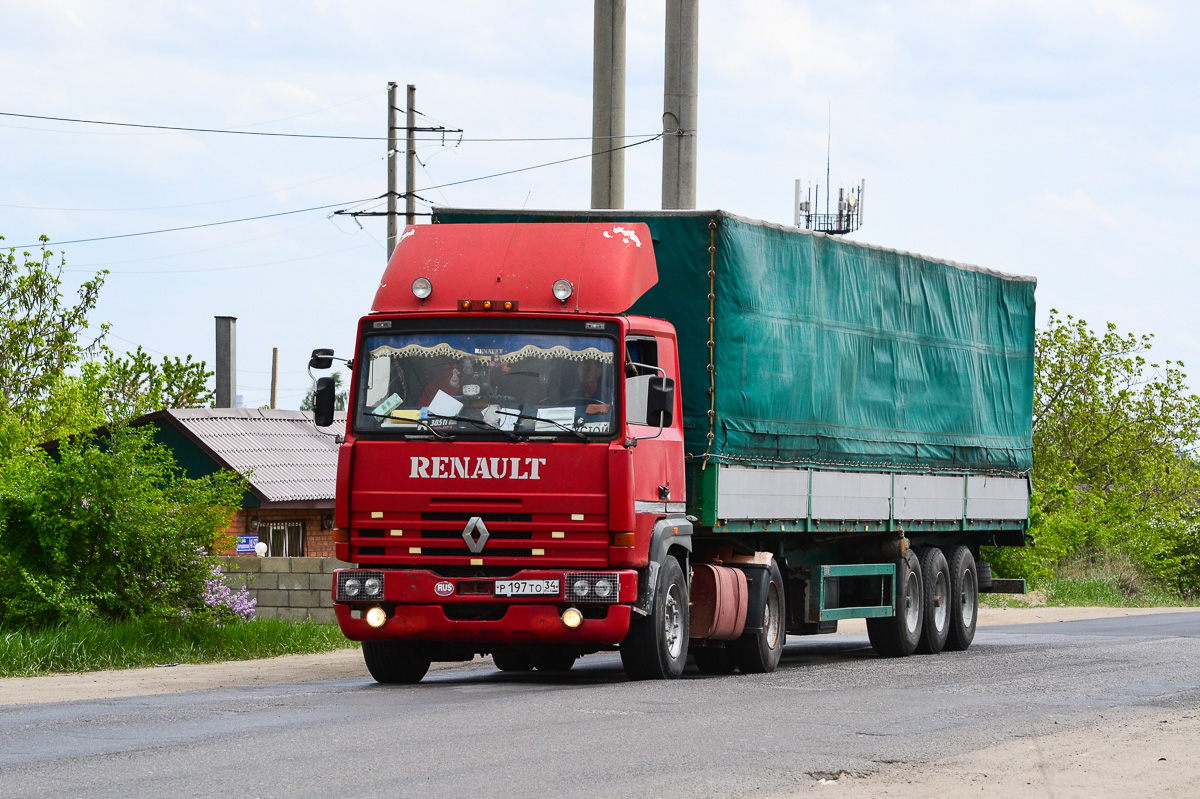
(609, 266)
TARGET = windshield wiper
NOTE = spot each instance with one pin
(540, 419)
(420, 422)
(478, 423)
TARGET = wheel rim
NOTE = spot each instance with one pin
(912, 607)
(941, 601)
(673, 622)
(966, 602)
(772, 613)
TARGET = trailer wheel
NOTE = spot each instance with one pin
(554, 660)
(897, 636)
(656, 646)
(393, 662)
(759, 652)
(513, 660)
(938, 601)
(713, 660)
(964, 592)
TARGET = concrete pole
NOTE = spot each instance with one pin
(410, 165)
(680, 104)
(393, 185)
(226, 361)
(608, 104)
(274, 374)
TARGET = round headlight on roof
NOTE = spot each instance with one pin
(562, 289)
(422, 288)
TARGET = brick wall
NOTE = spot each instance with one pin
(318, 542)
(286, 588)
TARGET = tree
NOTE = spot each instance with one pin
(1114, 444)
(40, 333)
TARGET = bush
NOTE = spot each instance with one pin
(107, 529)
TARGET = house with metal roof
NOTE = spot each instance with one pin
(291, 467)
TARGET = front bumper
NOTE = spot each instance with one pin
(425, 606)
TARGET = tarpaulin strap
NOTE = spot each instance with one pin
(712, 368)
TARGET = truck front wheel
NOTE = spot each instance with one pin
(655, 647)
(898, 635)
(759, 652)
(395, 661)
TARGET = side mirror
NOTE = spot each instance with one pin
(323, 401)
(322, 358)
(660, 401)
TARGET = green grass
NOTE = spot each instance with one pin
(1094, 591)
(96, 645)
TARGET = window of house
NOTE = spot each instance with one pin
(284, 539)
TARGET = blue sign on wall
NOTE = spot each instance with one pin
(245, 544)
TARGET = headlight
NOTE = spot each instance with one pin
(372, 586)
(580, 587)
(603, 588)
(351, 587)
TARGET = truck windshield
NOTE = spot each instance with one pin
(462, 384)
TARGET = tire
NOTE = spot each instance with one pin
(554, 660)
(656, 646)
(898, 635)
(964, 593)
(983, 570)
(759, 652)
(513, 660)
(395, 662)
(938, 601)
(713, 660)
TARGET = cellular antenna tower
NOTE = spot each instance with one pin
(846, 218)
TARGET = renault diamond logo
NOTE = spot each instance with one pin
(475, 525)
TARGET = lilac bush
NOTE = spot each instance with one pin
(223, 602)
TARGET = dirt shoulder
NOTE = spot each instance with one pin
(348, 664)
(1153, 754)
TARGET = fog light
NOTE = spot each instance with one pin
(572, 618)
(351, 587)
(580, 587)
(562, 289)
(373, 586)
(603, 588)
(376, 617)
(422, 288)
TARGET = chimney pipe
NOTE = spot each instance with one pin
(608, 104)
(679, 104)
(226, 361)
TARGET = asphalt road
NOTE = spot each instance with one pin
(832, 707)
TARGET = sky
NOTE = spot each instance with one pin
(1055, 139)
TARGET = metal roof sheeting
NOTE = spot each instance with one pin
(281, 453)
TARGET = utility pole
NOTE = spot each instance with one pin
(392, 185)
(679, 104)
(410, 166)
(274, 374)
(608, 104)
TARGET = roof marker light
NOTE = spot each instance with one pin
(422, 288)
(563, 289)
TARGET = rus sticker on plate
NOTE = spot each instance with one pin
(527, 587)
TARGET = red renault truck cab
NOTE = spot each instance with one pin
(511, 478)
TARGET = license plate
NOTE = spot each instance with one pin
(527, 588)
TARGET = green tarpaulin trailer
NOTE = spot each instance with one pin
(810, 357)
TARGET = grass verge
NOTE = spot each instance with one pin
(1098, 591)
(97, 645)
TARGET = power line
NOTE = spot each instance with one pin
(205, 224)
(226, 131)
(223, 268)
